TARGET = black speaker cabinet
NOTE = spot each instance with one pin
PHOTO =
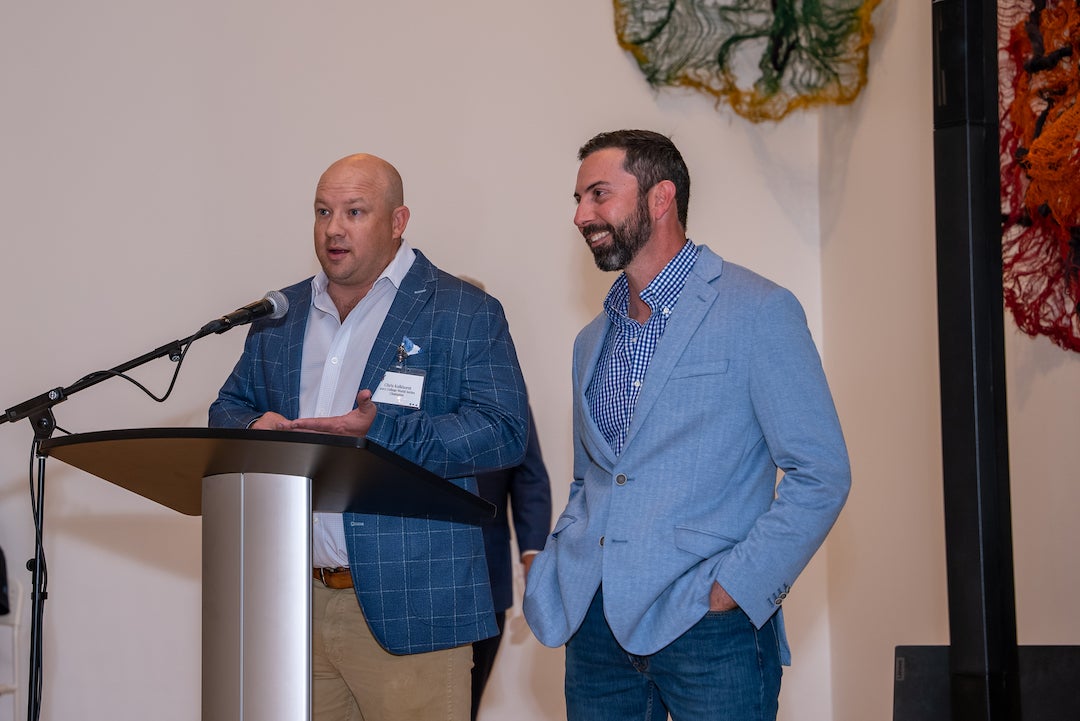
(1049, 683)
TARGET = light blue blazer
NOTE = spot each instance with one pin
(734, 392)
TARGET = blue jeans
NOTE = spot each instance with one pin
(722, 669)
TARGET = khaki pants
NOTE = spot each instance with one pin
(355, 679)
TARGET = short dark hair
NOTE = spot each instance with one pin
(650, 157)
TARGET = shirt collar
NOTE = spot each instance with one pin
(395, 271)
(662, 291)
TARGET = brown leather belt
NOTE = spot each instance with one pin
(334, 577)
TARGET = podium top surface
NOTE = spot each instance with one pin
(167, 465)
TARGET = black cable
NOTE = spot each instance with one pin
(41, 581)
(116, 374)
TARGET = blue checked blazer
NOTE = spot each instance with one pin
(734, 392)
(422, 584)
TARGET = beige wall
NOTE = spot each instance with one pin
(158, 167)
(886, 554)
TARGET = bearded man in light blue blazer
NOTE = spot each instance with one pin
(700, 381)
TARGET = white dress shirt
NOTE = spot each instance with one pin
(335, 355)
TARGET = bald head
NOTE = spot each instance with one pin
(367, 169)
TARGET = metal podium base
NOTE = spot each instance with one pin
(256, 598)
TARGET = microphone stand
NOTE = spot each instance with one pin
(39, 410)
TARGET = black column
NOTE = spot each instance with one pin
(983, 666)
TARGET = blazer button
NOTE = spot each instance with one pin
(620, 479)
(601, 540)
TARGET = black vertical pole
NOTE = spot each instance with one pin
(983, 665)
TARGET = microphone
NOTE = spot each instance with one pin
(273, 305)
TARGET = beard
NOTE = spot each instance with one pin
(624, 241)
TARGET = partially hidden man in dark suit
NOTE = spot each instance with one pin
(528, 489)
(397, 602)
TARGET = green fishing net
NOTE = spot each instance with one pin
(765, 58)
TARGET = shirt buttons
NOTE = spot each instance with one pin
(334, 361)
(601, 541)
(620, 479)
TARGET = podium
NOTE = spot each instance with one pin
(256, 491)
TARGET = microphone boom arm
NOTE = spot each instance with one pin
(39, 408)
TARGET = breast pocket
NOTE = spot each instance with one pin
(437, 391)
(699, 369)
(693, 389)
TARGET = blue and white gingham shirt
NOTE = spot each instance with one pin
(629, 345)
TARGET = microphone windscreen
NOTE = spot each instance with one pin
(280, 303)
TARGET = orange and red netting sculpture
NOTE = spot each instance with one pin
(1039, 78)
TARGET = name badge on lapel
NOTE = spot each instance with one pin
(402, 386)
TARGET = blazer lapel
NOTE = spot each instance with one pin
(591, 343)
(299, 308)
(694, 302)
(416, 290)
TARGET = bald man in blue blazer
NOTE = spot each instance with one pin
(665, 574)
(396, 602)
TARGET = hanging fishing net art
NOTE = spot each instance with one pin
(1039, 78)
(765, 58)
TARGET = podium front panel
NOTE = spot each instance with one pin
(256, 597)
